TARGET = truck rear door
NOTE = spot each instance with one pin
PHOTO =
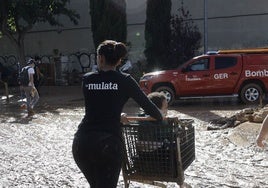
(226, 71)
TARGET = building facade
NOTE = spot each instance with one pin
(230, 24)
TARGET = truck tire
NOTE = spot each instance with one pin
(251, 94)
(168, 92)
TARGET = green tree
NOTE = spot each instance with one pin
(185, 38)
(108, 20)
(157, 33)
(17, 17)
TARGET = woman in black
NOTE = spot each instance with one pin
(97, 145)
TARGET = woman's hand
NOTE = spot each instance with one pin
(124, 118)
(260, 142)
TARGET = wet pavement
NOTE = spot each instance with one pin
(36, 152)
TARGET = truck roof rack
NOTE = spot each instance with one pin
(245, 51)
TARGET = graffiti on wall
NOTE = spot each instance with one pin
(81, 62)
(72, 63)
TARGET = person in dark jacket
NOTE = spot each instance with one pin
(38, 76)
(97, 145)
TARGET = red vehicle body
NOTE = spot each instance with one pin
(226, 73)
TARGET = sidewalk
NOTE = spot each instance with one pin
(61, 95)
(53, 97)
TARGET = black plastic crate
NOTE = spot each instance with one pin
(158, 151)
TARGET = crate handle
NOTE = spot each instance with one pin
(136, 118)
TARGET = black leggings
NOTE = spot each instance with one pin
(99, 157)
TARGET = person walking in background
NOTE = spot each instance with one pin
(97, 145)
(27, 83)
(126, 67)
(38, 76)
(263, 134)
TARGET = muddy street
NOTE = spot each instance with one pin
(36, 152)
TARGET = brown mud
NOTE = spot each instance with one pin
(36, 151)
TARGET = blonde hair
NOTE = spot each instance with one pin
(157, 98)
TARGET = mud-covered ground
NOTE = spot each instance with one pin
(36, 152)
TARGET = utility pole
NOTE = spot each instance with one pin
(205, 27)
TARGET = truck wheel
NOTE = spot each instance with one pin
(168, 92)
(251, 94)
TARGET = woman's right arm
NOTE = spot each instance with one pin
(263, 132)
(139, 96)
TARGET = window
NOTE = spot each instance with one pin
(199, 65)
(225, 62)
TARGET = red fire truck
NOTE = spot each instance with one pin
(224, 73)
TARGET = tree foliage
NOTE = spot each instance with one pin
(17, 17)
(185, 38)
(157, 33)
(108, 20)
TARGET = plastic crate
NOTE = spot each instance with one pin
(158, 151)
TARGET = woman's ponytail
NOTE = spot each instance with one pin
(112, 51)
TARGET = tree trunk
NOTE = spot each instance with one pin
(20, 51)
(19, 46)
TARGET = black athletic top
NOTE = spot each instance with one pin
(105, 94)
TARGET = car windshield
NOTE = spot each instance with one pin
(183, 64)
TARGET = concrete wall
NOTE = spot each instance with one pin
(231, 24)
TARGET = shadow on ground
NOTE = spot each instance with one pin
(52, 98)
